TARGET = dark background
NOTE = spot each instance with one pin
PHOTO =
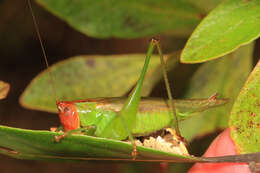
(21, 60)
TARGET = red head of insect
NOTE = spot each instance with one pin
(68, 115)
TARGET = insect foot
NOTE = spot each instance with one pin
(155, 41)
(134, 152)
(58, 138)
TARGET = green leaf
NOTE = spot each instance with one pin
(39, 145)
(125, 19)
(152, 78)
(224, 76)
(4, 89)
(232, 24)
(205, 5)
(90, 77)
(245, 117)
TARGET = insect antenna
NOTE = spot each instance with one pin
(43, 50)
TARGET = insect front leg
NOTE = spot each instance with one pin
(55, 129)
(254, 166)
(88, 130)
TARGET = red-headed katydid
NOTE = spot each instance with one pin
(119, 118)
(123, 118)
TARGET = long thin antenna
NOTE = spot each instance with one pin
(43, 50)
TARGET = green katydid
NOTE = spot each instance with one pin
(184, 110)
(123, 118)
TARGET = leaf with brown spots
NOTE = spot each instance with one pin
(245, 117)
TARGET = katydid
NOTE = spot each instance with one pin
(122, 118)
(126, 118)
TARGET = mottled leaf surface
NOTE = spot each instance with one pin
(245, 117)
(89, 77)
(232, 24)
(125, 19)
(224, 76)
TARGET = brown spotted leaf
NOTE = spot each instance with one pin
(245, 117)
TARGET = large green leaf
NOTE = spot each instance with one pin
(39, 145)
(232, 24)
(224, 76)
(125, 19)
(91, 77)
(4, 89)
(245, 117)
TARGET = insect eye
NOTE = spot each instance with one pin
(66, 111)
